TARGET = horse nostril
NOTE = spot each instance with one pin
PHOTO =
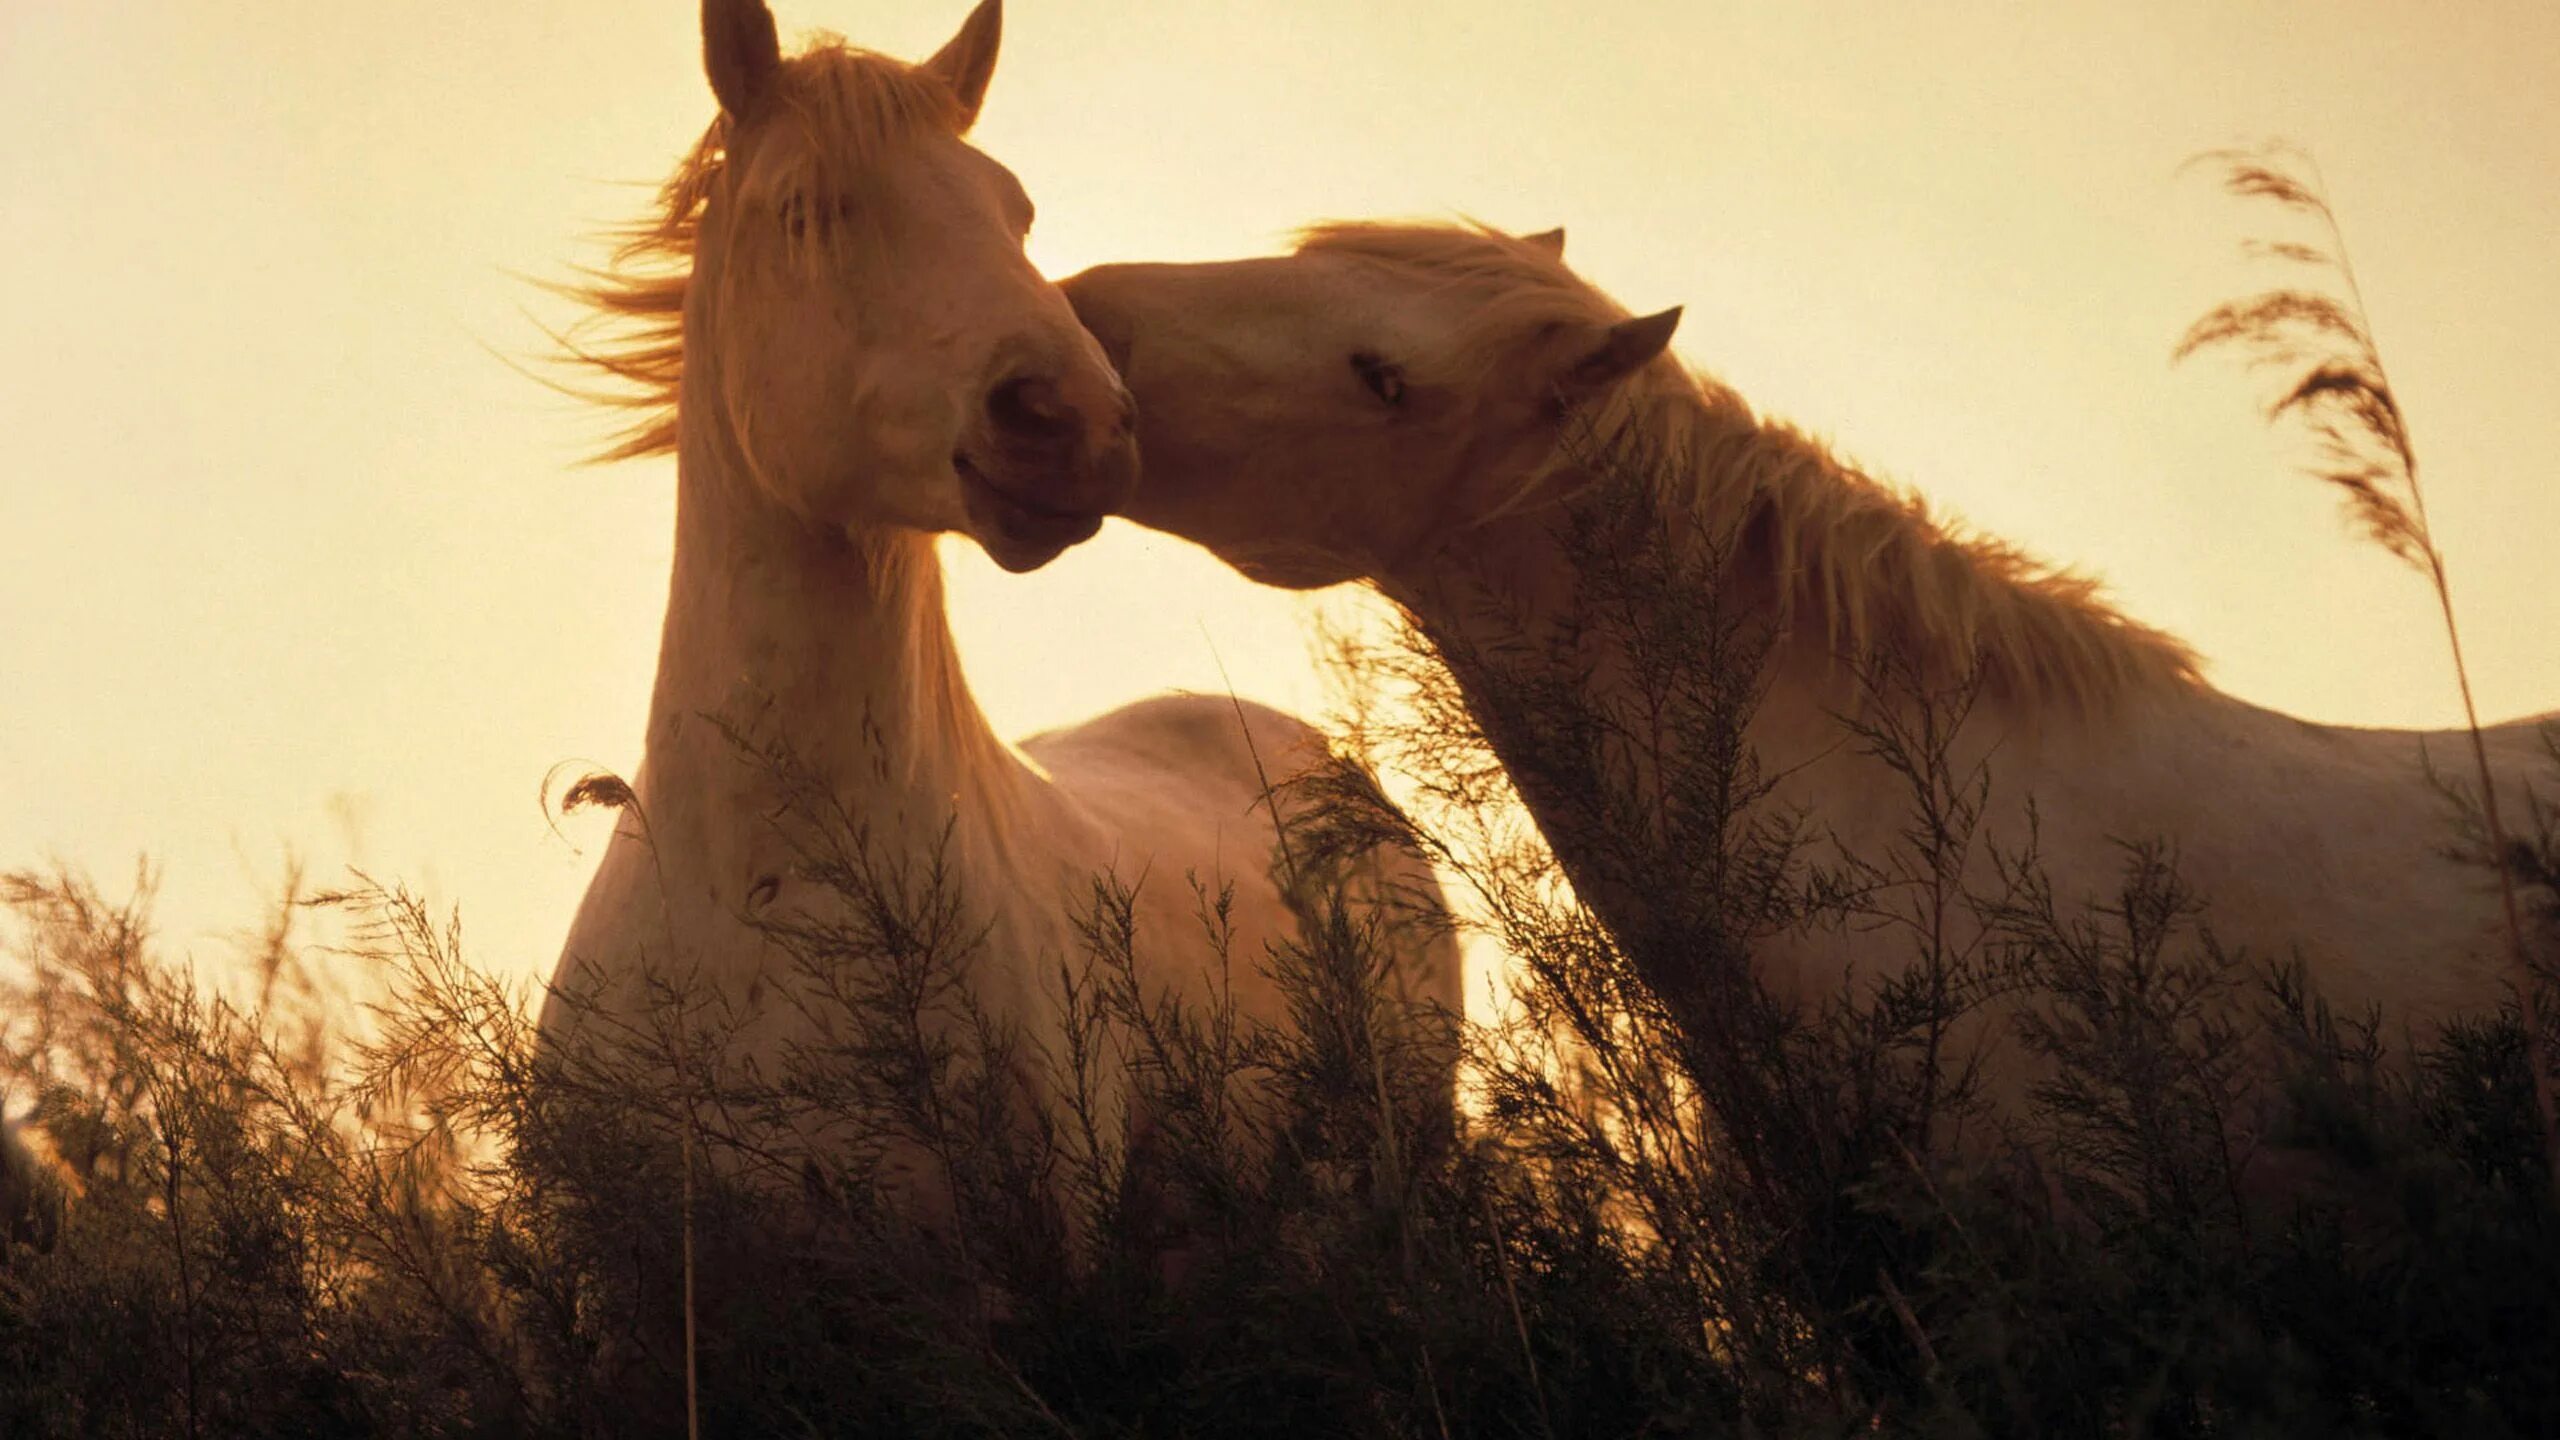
(1030, 405)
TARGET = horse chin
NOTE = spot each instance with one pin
(1020, 557)
(1019, 535)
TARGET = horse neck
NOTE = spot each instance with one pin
(1526, 574)
(1520, 608)
(825, 650)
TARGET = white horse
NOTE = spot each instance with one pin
(1390, 403)
(833, 327)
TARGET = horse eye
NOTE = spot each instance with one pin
(795, 216)
(1385, 380)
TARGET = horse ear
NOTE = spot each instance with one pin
(969, 61)
(740, 53)
(1551, 241)
(1617, 352)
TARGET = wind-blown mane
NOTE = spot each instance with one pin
(846, 103)
(1859, 561)
(1865, 564)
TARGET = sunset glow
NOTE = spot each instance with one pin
(293, 557)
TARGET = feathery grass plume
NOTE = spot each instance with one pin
(2319, 336)
(2335, 385)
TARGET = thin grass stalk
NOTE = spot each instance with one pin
(2538, 1055)
(692, 1373)
(2346, 398)
(2538, 1043)
(2528, 1000)
(1519, 1319)
(174, 1189)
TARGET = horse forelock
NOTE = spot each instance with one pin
(1515, 287)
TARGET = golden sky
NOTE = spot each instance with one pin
(290, 558)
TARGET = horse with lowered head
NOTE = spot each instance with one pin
(1430, 408)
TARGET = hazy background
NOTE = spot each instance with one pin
(289, 558)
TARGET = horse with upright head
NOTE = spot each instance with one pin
(832, 326)
(1418, 406)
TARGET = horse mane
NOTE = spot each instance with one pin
(845, 105)
(1860, 560)
(1865, 564)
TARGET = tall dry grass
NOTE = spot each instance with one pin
(1750, 1220)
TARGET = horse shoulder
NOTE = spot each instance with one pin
(1188, 783)
(1170, 784)
(1196, 749)
(1179, 784)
